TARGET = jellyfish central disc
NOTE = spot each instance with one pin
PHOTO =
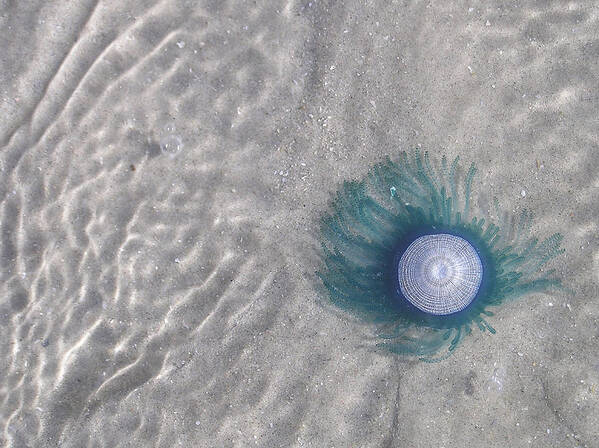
(439, 271)
(440, 274)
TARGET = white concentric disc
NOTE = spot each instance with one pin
(440, 274)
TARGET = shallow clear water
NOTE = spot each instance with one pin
(163, 168)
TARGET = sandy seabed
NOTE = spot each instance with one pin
(163, 168)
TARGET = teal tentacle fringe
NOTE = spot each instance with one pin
(372, 221)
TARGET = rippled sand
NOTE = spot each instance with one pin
(163, 166)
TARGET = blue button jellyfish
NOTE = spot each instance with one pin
(400, 250)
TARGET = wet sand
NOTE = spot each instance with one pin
(163, 169)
